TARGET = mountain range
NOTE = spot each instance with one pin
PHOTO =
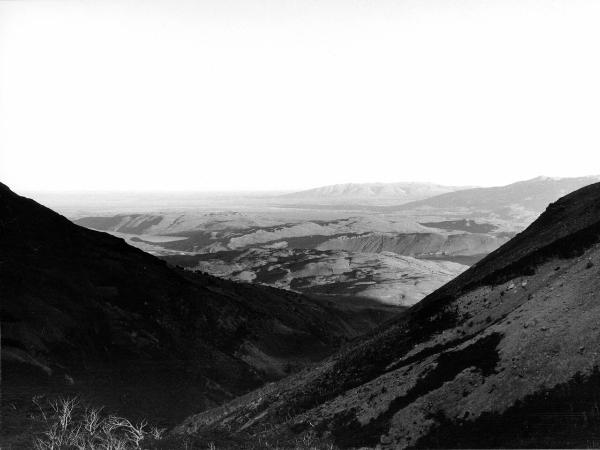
(522, 201)
(352, 192)
(529, 195)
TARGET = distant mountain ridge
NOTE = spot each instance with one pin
(401, 191)
(522, 201)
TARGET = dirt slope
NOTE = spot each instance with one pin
(506, 355)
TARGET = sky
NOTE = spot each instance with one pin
(283, 95)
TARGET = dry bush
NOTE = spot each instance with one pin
(70, 425)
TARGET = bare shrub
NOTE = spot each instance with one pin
(69, 425)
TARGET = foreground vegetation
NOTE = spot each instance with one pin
(68, 424)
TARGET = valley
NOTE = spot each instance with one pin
(369, 316)
(299, 225)
(389, 259)
(390, 243)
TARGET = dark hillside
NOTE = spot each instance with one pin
(85, 313)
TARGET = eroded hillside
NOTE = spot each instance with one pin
(384, 278)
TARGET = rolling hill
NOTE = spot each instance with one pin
(207, 233)
(433, 245)
(505, 355)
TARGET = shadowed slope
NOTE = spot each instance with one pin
(83, 312)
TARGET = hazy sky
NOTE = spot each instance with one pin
(255, 94)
